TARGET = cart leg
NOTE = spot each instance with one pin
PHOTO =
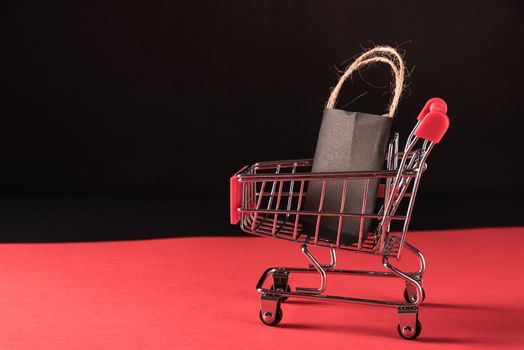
(280, 283)
(413, 282)
(332, 263)
(270, 311)
(321, 270)
(421, 259)
(410, 293)
(409, 327)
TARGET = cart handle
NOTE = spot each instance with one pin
(433, 104)
(434, 123)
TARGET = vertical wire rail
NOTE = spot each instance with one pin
(253, 189)
(404, 182)
(272, 195)
(299, 204)
(333, 256)
(244, 202)
(247, 197)
(391, 164)
(395, 151)
(409, 144)
(342, 206)
(273, 188)
(253, 201)
(410, 137)
(248, 188)
(412, 199)
(364, 202)
(259, 202)
(319, 215)
(277, 205)
(291, 188)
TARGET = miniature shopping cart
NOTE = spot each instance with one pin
(267, 198)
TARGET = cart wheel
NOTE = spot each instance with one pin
(413, 298)
(278, 317)
(288, 289)
(408, 333)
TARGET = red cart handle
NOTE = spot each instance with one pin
(435, 103)
(433, 120)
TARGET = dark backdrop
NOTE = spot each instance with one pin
(125, 119)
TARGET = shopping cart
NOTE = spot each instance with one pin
(267, 198)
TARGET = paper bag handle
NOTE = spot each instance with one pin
(384, 54)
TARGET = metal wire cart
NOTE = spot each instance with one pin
(267, 199)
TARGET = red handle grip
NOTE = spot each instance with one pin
(434, 122)
(433, 104)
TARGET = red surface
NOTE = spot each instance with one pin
(198, 293)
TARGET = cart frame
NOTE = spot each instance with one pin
(275, 211)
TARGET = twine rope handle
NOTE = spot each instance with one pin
(383, 54)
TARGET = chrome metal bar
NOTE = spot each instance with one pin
(280, 185)
(295, 231)
(355, 175)
(283, 163)
(273, 187)
(409, 139)
(322, 193)
(395, 160)
(318, 296)
(266, 194)
(319, 268)
(310, 270)
(402, 188)
(342, 205)
(407, 278)
(364, 202)
(332, 263)
(324, 213)
(422, 260)
(259, 202)
(291, 185)
(288, 163)
(389, 166)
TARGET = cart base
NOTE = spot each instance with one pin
(409, 326)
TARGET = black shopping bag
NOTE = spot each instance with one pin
(350, 141)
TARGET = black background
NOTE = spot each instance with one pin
(125, 119)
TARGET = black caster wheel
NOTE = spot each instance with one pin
(410, 300)
(267, 317)
(288, 289)
(408, 333)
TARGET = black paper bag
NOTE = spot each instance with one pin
(348, 141)
(351, 141)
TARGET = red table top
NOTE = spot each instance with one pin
(198, 293)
